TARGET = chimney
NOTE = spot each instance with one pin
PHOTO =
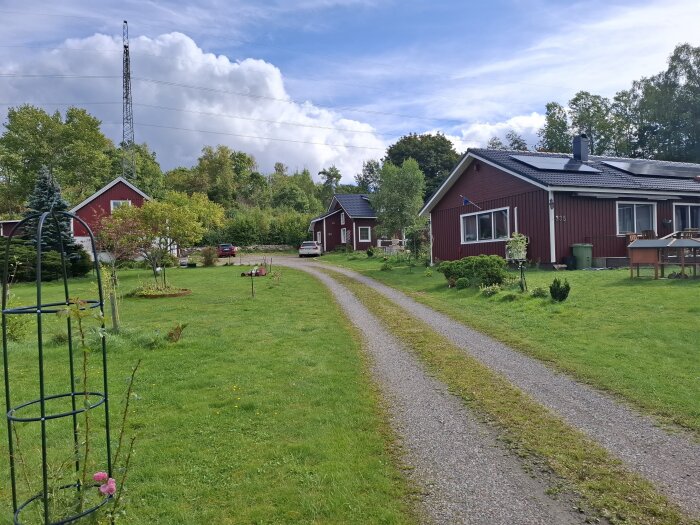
(581, 147)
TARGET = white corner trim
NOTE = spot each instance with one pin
(324, 234)
(552, 238)
(430, 218)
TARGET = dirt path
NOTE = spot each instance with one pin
(464, 473)
(670, 460)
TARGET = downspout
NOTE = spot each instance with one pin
(552, 242)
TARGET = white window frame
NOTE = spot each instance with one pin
(481, 212)
(634, 217)
(343, 235)
(111, 203)
(676, 226)
(360, 238)
(342, 218)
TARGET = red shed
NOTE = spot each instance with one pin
(558, 200)
(117, 193)
(349, 220)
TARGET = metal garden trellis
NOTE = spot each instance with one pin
(49, 419)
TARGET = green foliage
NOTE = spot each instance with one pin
(370, 252)
(509, 297)
(516, 141)
(209, 256)
(17, 325)
(540, 292)
(399, 197)
(516, 247)
(435, 155)
(489, 291)
(386, 266)
(555, 136)
(175, 333)
(22, 264)
(462, 283)
(251, 226)
(480, 270)
(559, 291)
(368, 180)
(428, 272)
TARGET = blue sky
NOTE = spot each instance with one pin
(317, 82)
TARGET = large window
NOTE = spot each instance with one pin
(686, 216)
(635, 217)
(484, 226)
(364, 234)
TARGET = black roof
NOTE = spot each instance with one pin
(607, 176)
(355, 204)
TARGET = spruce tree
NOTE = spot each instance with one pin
(47, 197)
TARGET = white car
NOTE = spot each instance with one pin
(309, 249)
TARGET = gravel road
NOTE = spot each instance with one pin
(464, 473)
(670, 460)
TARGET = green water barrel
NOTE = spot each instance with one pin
(583, 254)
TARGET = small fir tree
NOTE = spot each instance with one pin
(47, 197)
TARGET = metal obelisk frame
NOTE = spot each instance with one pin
(49, 418)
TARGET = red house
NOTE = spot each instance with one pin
(349, 220)
(119, 192)
(559, 200)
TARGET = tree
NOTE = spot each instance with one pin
(554, 135)
(290, 196)
(368, 180)
(216, 167)
(56, 234)
(495, 143)
(399, 196)
(515, 141)
(435, 155)
(590, 115)
(330, 177)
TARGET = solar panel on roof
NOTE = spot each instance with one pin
(654, 169)
(554, 163)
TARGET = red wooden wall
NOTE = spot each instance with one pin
(94, 210)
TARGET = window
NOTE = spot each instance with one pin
(113, 205)
(342, 218)
(484, 226)
(635, 217)
(343, 235)
(364, 234)
(686, 216)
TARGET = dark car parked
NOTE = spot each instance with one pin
(226, 250)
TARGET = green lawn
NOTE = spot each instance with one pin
(635, 337)
(262, 413)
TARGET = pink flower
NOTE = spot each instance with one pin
(109, 488)
(100, 476)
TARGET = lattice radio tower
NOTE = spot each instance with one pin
(128, 151)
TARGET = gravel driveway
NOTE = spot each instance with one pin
(464, 473)
(670, 460)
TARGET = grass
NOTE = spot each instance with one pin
(603, 482)
(263, 412)
(636, 338)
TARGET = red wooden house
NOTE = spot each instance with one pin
(558, 200)
(349, 220)
(119, 192)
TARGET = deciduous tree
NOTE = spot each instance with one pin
(399, 196)
(554, 135)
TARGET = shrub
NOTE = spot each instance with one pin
(209, 256)
(386, 266)
(370, 252)
(558, 291)
(17, 325)
(481, 270)
(462, 283)
(540, 292)
(428, 272)
(490, 291)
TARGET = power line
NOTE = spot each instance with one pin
(256, 137)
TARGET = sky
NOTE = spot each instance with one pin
(315, 83)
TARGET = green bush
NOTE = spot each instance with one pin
(22, 263)
(489, 291)
(209, 256)
(480, 270)
(428, 272)
(17, 325)
(370, 252)
(81, 264)
(386, 267)
(462, 283)
(539, 292)
(558, 291)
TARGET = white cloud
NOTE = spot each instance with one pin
(272, 126)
